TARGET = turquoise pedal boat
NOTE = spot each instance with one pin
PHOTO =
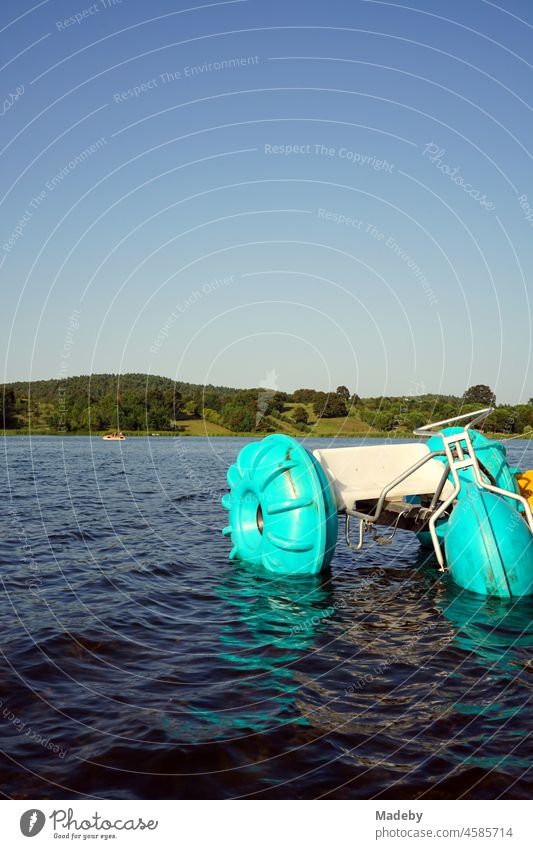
(456, 492)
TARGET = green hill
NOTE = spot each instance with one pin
(142, 403)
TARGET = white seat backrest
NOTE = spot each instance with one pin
(362, 472)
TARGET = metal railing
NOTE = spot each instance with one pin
(460, 462)
(454, 464)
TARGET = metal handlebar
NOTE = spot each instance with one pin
(479, 415)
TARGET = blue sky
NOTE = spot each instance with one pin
(298, 194)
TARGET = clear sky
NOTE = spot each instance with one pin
(265, 192)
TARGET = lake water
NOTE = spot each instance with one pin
(138, 662)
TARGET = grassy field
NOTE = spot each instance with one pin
(340, 427)
(199, 427)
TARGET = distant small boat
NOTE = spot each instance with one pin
(114, 436)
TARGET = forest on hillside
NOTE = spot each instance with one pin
(141, 402)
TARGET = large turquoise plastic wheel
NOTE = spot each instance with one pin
(282, 513)
(488, 545)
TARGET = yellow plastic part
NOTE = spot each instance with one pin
(525, 484)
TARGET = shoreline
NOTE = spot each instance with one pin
(247, 435)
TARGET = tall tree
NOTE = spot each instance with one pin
(329, 406)
(300, 415)
(8, 418)
(304, 396)
(480, 394)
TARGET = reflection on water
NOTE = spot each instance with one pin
(498, 631)
(271, 624)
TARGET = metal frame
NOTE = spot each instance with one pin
(368, 520)
(454, 464)
(461, 462)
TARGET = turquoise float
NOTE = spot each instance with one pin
(489, 547)
(284, 503)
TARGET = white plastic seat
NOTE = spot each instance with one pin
(361, 473)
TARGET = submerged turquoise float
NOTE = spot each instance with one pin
(489, 547)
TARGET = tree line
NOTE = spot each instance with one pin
(140, 402)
